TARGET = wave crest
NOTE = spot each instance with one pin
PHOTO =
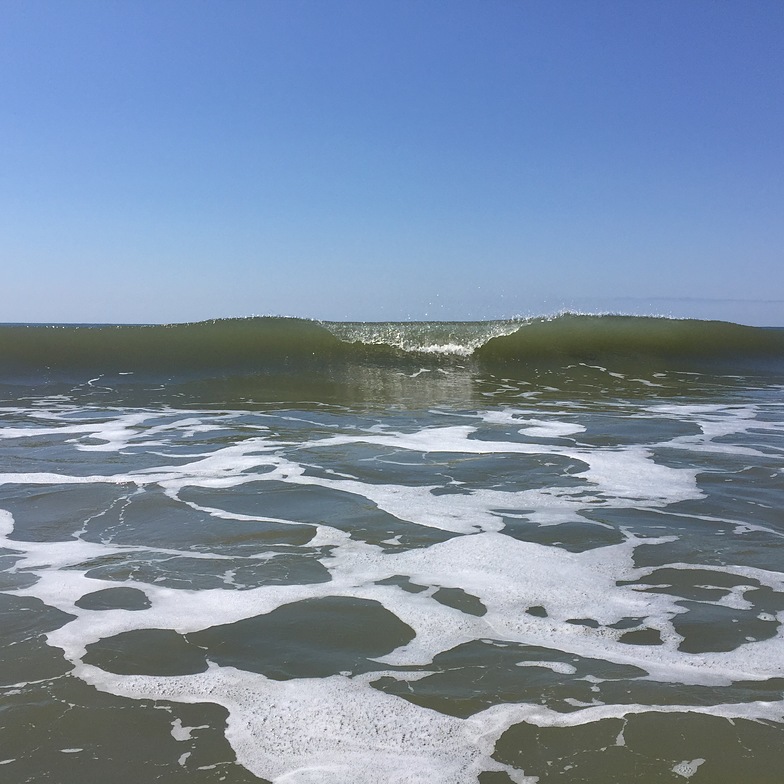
(269, 343)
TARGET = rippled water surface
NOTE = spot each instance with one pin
(447, 577)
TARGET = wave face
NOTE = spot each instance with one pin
(634, 337)
(271, 343)
(223, 344)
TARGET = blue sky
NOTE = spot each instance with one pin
(390, 159)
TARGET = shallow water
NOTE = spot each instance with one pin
(429, 575)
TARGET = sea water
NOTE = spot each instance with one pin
(365, 553)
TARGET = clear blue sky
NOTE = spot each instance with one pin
(170, 160)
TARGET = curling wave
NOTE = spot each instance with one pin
(268, 344)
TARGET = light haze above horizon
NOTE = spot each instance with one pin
(391, 159)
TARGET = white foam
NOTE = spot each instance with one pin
(481, 564)
(687, 768)
(337, 729)
(538, 428)
(627, 474)
(508, 576)
(6, 523)
(560, 667)
(328, 730)
(716, 421)
(180, 733)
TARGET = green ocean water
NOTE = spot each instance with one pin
(286, 551)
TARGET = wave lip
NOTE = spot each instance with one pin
(445, 338)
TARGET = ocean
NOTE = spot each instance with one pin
(281, 550)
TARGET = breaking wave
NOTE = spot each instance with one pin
(268, 343)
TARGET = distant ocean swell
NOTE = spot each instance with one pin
(269, 343)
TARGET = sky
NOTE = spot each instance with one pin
(166, 160)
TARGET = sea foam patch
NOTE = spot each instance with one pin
(552, 608)
(328, 730)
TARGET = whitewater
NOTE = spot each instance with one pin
(281, 550)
